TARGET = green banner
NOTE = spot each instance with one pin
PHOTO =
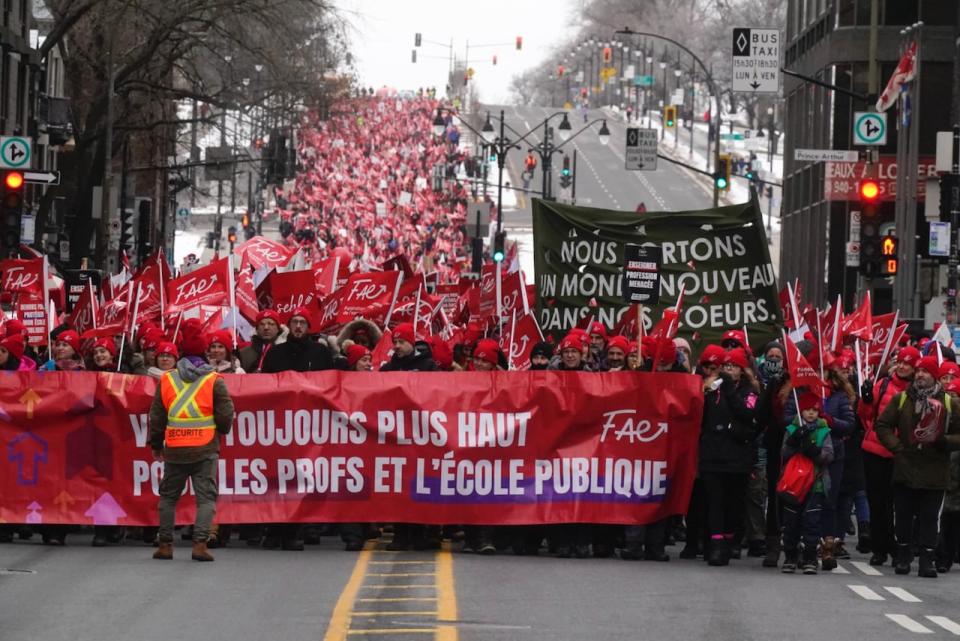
(718, 256)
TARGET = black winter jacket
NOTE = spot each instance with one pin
(728, 429)
(298, 355)
(420, 360)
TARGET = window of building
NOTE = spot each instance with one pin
(899, 12)
(939, 13)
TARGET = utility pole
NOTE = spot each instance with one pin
(105, 257)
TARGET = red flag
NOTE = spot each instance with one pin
(383, 351)
(526, 334)
(22, 276)
(370, 294)
(512, 295)
(904, 73)
(802, 374)
(330, 274)
(668, 325)
(859, 324)
(290, 290)
(84, 315)
(488, 290)
(398, 263)
(789, 307)
(246, 293)
(205, 286)
(263, 252)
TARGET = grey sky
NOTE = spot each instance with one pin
(383, 34)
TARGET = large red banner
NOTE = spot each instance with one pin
(484, 448)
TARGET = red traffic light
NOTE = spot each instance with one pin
(519, 43)
(869, 190)
(14, 180)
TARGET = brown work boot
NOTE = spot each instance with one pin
(200, 552)
(164, 551)
(827, 559)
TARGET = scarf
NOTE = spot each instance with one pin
(921, 397)
(770, 371)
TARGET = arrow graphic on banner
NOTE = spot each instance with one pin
(28, 451)
(64, 501)
(105, 510)
(30, 398)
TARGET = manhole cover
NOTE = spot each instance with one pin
(16, 571)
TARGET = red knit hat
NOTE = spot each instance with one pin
(948, 367)
(193, 345)
(571, 341)
(303, 313)
(713, 355)
(268, 314)
(442, 354)
(221, 336)
(153, 337)
(14, 327)
(734, 335)
(909, 356)
(168, 348)
(620, 343)
(487, 350)
(736, 357)
(664, 350)
(404, 332)
(14, 345)
(71, 338)
(598, 329)
(953, 386)
(355, 353)
(808, 401)
(107, 344)
(930, 365)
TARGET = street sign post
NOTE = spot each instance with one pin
(15, 152)
(756, 60)
(641, 274)
(826, 155)
(853, 254)
(641, 150)
(869, 128)
(939, 239)
(42, 177)
(643, 81)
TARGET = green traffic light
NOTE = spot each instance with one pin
(669, 123)
(498, 256)
(566, 172)
(721, 182)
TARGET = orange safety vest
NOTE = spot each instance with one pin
(189, 410)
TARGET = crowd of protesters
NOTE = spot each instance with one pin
(366, 183)
(884, 453)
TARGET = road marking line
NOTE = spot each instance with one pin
(902, 594)
(337, 630)
(396, 613)
(866, 593)
(866, 568)
(447, 602)
(946, 624)
(395, 599)
(401, 573)
(431, 561)
(399, 586)
(906, 622)
(839, 570)
(391, 631)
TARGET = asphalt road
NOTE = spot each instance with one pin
(79, 593)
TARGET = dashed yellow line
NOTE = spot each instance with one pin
(353, 632)
(340, 619)
(446, 596)
(396, 599)
(397, 613)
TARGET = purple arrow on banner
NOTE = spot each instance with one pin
(28, 451)
(105, 510)
(89, 446)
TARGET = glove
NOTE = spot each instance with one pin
(810, 450)
(866, 391)
(795, 439)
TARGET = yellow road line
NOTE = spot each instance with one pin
(401, 573)
(447, 596)
(394, 599)
(404, 586)
(391, 631)
(431, 561)
(337, 630)
(393, 613)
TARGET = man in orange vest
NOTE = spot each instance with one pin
(190, 410)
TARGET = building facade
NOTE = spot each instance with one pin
(829, 40)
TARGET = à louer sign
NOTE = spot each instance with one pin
(482, 448)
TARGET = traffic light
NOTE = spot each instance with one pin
(869, 191)
(494, 60)
(670, 116)
(607, 55)
(560, 71)
(12, 212)
(722, 178)
(888, 252)
(416, 40)
(232, 235)
(566, 175)
(126, 230)
(519, 43)
(413, 55)
(499, 240)
(870, 246)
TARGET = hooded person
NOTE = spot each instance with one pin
(191, 409)
(359, 331)
(920, 427)
(299, 353)
(269, 332)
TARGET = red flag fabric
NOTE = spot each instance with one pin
(859, 324)
(290, 290)
(330, 274)
(787, 307)
(488, 290)
(263, 252)
(22, 276)
(512, 295)
(205, 286)
(903, 74)
(802, 374)
(32, 312)
(398, 263)
(526, 334)
(247, 293)
(383, 351)
(84, 314)
(370, 294)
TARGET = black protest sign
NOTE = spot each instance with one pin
(718, 257)
(641, 274)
